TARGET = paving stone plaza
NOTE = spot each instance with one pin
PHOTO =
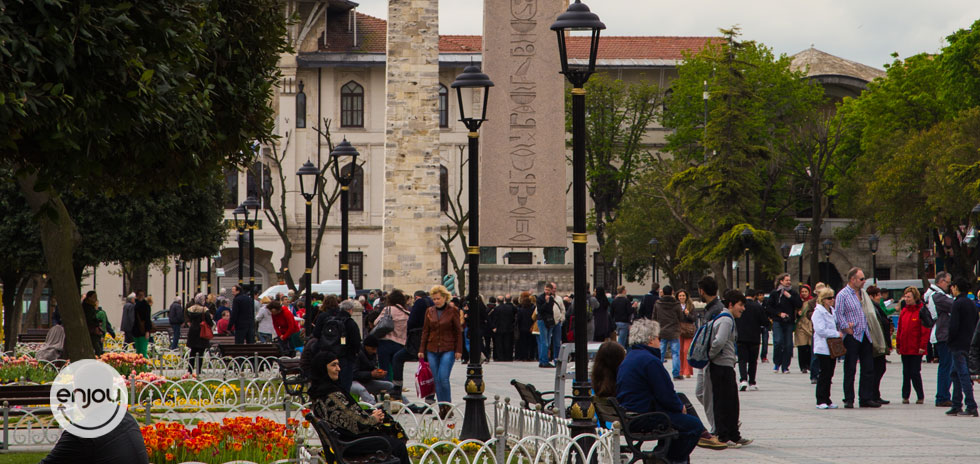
(786, 427)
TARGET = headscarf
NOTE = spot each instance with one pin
(809, 293)
(200, 299)
(54, 344)
(321, 384)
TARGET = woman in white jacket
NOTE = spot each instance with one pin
(824, 327)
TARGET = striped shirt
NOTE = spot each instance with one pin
(847, 309)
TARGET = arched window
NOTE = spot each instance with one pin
(356, 192)
(443, 106)
(443, 189)
(352, 105)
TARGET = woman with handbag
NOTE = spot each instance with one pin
(442, 343)
(199, 327)
(392, 331)
(911, 342)
(825, 336)
(687, 330)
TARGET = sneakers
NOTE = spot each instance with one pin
(775, 369)
(712, 443)
(738, 444)
(826, 406)
(753, 388)
(742, 386)
(785, 371)
(831, 406)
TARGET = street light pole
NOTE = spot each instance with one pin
(873, 245)
(475, 416)
(578, 17)
(746, 236)
(251, 206)
(654, 243)
(828, 246)
(802, 230)
(239, 215)
(309, 180)
(344, 150)
(784, 249)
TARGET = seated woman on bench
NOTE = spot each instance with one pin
(644, 385)
(335, 406)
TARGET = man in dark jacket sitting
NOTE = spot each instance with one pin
(643, 385)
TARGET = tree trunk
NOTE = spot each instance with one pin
(816, 227)
(58, 238)
(718, 269)
(33, 319)
(11, 317)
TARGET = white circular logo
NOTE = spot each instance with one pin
(89, 398)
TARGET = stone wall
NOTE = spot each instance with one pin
(411, 200)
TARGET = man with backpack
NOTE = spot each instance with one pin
(708, 290)
(721, 369)
(939, 306)
(336, 332)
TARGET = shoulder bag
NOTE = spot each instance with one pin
(384, 325)
(836, 347)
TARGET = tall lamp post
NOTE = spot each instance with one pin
(309, 179)
(827, 246)
(801, 230)
(873, 245)
(654, 244)
(578, 17)
(341, 153)
(239, 214)
(746, 236)
(785, 251)
(475, 416)
(251, 206)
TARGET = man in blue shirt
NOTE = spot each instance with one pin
(853, 323)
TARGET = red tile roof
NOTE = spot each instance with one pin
(372, 32)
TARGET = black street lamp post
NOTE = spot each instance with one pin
(827, 246)
(746, 236)
(239, 214)
(251, 206)
(785, 252)
(309, 180)
(475, 416)
(578, 17)
(339, 154)
(801, 230)
(873, 245)
(654, 244)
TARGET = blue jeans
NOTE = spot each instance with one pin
(623, 334)
(442, 366)
(265, 337)
(764, 352)
(175, 328)
(962, 383)
(782, 345)
(544, 342)
(943, 375)
(556, 341)
(386, 353)
(675, 352)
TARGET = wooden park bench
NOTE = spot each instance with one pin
(33, 336)
(609, 411)
(295, 383)
(364, 450)
(530, 396)
(26, 398)
(253, 353)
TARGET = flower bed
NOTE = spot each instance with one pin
(126, 363)
(238, 438)
(27, 369)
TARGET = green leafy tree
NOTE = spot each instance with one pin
(119, 98)
(732, 173)
(617, 117)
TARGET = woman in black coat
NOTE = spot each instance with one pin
(603, 321)
(196, 314)
(527, 343)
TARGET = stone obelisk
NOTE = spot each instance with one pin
(411, 215)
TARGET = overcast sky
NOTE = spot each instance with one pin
(866, 31)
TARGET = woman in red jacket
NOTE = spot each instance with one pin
(912, 339)
(287, 330)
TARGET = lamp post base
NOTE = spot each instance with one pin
(475, 417)
(583, 425)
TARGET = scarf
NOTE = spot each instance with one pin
(321, 384)
(874, 329)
